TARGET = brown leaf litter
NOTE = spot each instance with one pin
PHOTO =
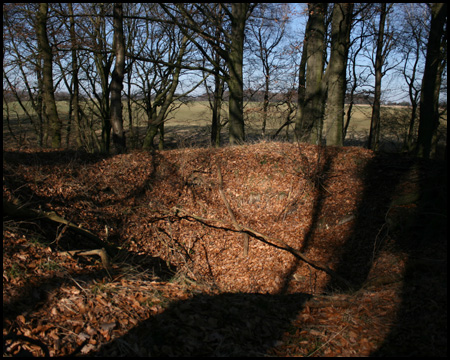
(181, 286)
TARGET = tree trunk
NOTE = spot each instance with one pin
(150, 134)
(231, 50)
(131, 129)
(235, 80)
(75, 86)
(335, 74)
(266, 99)
(312, 122)
(431, 82)
(216, 109)
(155, 123)
(117, 81)
(218, 94)
(103, 62)
(48, 95)
(374, 134)
(301, 94)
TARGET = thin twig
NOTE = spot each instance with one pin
(230, 211)
(328, 341)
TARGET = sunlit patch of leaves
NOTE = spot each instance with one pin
(166, 262)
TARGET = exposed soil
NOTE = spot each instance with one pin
(180, 284)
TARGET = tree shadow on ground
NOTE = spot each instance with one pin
(52, 157)
(420, 327)
(36, 290)
(363, 246)
(249, 324)
(228, 324)
(403, 209)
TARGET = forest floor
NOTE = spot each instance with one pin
(179, 283)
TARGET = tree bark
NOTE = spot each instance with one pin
(312, 121)
(301, 94)
(75, 84)
(374, 134)
(216, 109)
(218, 92)
(335, 75)
(117, 80)
(235, 79)
(48, 95)
(431, 82)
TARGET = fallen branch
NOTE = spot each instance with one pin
(14, 209)
(16, 337)
(100, 252)
(272, 242)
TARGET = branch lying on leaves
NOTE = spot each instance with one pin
(16, 337)
(100, 252)
(272, 242)
(14, 209)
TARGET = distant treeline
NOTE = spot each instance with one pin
(249, 95)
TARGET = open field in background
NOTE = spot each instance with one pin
(190, 125)
(178, 283)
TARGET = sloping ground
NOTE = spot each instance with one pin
(180, 283)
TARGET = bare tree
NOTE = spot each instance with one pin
(165, 98)
(117, 80)
(355, 78)
(97, 68)
(301, 93)
(22, 70)
(431, 82)
(412, 45)
(383, 47)
(268, 29)
(309, 127)
(48, 95)
(217, 92)
(335, 75)
(231, 49)
(159, 57)
(64, 36)
(74, 89)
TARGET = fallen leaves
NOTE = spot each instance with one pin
(219, 302)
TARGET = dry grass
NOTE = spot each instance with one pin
(189, 125)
